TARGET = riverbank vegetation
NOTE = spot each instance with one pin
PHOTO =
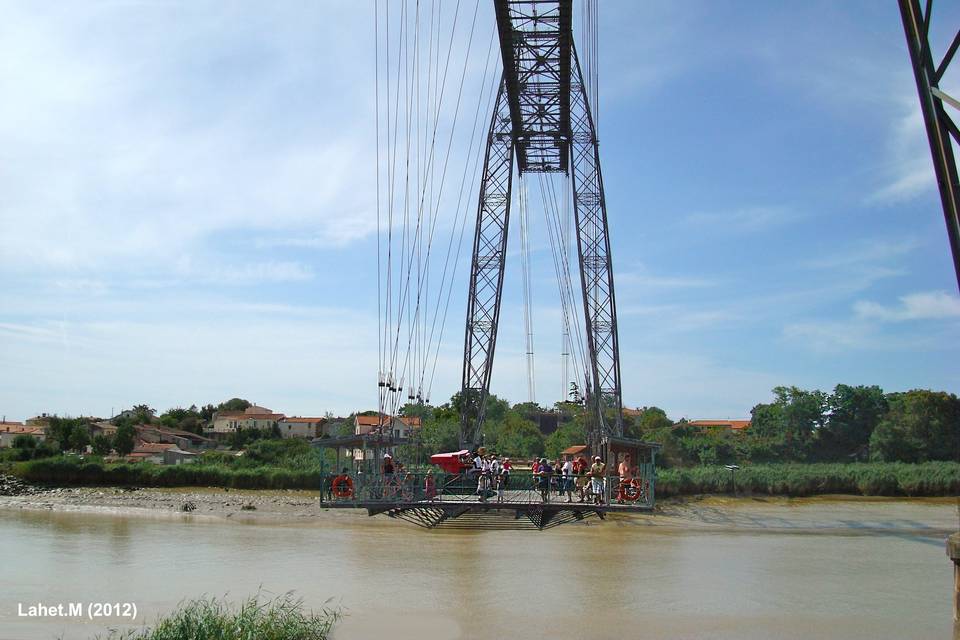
(851, 423)
(856, 440)
(798, 480)
(791, 479)
(283, 618)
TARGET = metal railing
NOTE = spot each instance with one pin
(515, 488)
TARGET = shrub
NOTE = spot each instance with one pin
(283, 618)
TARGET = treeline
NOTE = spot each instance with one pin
(850, 424)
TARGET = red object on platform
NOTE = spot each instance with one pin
(451, 462)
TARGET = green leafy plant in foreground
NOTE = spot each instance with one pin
(282, 618)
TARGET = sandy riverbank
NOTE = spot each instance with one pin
(215, 502)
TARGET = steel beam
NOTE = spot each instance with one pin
(486, 272)
(596, 267)
(535, 43)
(940, 127)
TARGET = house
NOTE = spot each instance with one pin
(392, 426)
(736, 426)
(42, 420)
(299, 427)
(151, 451)
(396, 428)
(175, 455)
(102, 428)
(250, 418)
(10, 430)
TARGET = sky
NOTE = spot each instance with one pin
(189, 210)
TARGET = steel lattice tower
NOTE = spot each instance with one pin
(543, 118)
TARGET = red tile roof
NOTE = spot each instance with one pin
(574, 450)
(736, 425)
(19, 427)
(298, 419)
(373, 421)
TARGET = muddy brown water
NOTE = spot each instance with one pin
(816, 568)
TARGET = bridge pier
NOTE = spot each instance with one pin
(953, 552)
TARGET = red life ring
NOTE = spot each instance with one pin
(343, 487)
(630, 491)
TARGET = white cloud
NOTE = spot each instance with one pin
(928, 305)
(867, 253)
(827, 336)
(909, 171)
(865, 330)
(136, 133)
(744, 220)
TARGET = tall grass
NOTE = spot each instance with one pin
(868, 479)
(283, 618)
(73, 471)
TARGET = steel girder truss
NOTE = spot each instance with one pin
(535, 42)
(596, 267)
(940, 127)
(542, 112)
(486, 273)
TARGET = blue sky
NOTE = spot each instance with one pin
(188, 211)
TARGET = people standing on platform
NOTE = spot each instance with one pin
(388, 467)
(430, 486)
(558, 476)
(597, 471)
(484, 481)
(580, 471)
(543, 475)
(567, 479)
(478, 462)
(623, 470)
(503, 479)
(388, 470)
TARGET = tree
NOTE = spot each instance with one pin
(528, 410)
(102, 444)
(853, 414)
(920, 426)
(565, 436)
(79, 439)
(23, 441)
(651, 420)
(207, 411)
(124, 441)
(520, 438)
(791, 423)
(440, 436)
(193, 424)
(494, 411)
(417, 410)
(143, 413)
(234, 404)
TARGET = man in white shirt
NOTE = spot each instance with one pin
(567, 470)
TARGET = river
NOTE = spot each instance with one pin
(817, 568)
